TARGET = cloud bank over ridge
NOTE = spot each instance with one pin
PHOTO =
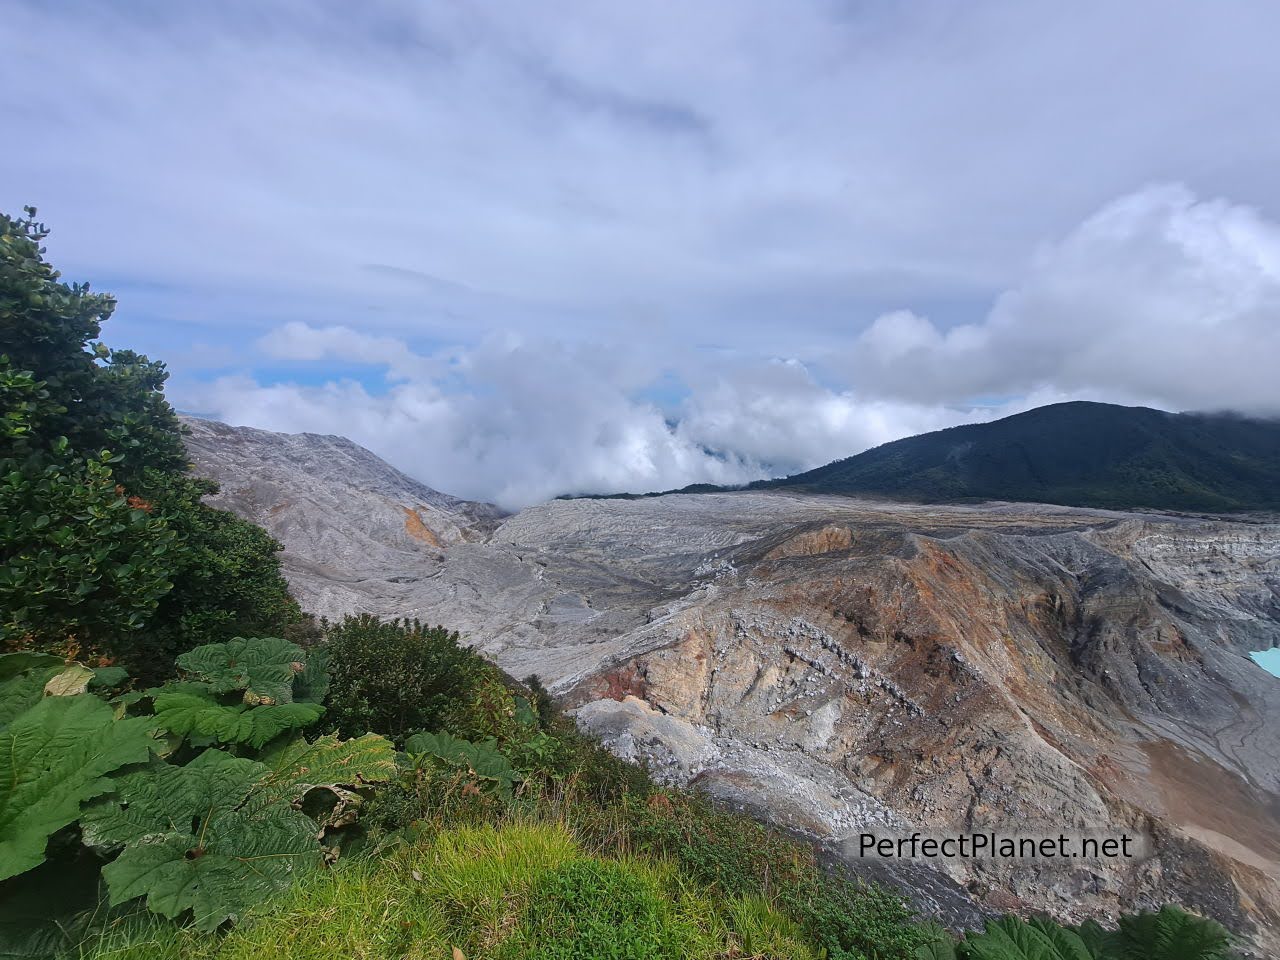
(1159, 299)
(521, 250)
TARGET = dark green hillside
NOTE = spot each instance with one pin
(1082, 454)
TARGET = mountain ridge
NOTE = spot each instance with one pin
(1077, 453)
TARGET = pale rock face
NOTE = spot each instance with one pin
(842, 665)
(675, 749)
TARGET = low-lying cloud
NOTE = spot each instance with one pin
(1159, 298)
(527, 249)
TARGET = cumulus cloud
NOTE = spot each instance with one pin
(528, 422)
(531, 420)
(523, 249)
(300, 341)
(1159, 297)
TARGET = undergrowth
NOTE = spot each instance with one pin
(515, 892)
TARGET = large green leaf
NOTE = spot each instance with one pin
(14, 664)
(262, 667)
(1068, 943)
(1011, 938)
(186, 710)
(1170, 934)
(482, 759)
(22, 679)
(312, 683)
(443, 745)
(338, 767)
(192, 842)
(297, 767)
(940, 945)
(54, 757)
(1094, 936)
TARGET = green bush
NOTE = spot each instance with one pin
(737, 856)
(397, 677)
(195, 830)
(516, 893)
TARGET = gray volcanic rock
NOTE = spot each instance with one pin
(343, 515)
(845, 666)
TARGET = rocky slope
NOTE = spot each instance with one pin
(343, 515)
(847, 666)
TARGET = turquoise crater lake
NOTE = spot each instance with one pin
(1268, 660)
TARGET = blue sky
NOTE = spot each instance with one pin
(528, 249)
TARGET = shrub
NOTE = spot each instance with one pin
(396, 677)
(487, 708)
(1169, 934)
(193, 829)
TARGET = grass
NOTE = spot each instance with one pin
(526, 891)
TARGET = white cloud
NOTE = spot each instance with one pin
(574, 166)
(300, 341)
(1159, 297)
(522, 216)
(531, 421)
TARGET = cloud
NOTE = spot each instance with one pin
(525, 249)
(299, 341)
(753, 170)
(1159, 298)
(527, 421)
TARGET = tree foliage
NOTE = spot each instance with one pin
(105, 546)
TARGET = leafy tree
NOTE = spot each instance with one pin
(105, 546)
(226, 578)
(97, 398)
(76, 559)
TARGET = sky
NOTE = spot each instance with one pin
(583, 246)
